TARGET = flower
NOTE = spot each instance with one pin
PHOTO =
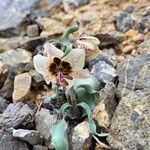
(58, 69)
(89, 44)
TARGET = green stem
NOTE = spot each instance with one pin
(69, 31)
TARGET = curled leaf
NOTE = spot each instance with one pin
(92, 125)
(63, 109)
(86, 90)
(59, 135)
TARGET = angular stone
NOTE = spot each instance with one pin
(8, 142)
(15, 57)
(79, 135)
(100, 57)
(124, 22)
(30, 136)
(15, 115)
(44, 122)
(104, 72)
(104, 110)
(144, 47)
(39, 147)
(50, 27)
(29, 43)
(54, 2)
(13, 13)
(3, 104)
(37, 79)
(133, 74)
(70, 4)
(130, 126)
(7, 81)
(3, 73)
(32, 30)
(109, 39)
(22, 84)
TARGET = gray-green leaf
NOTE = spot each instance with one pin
(59, 135)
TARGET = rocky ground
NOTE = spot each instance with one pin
(122, 69)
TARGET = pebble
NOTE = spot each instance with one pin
(30, 136)
(124, 22)
(32, 30)
(22, 84)
(128, 48)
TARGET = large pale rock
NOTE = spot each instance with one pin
(130, 126)
(79, 135)
(30, 136)
(22, 86)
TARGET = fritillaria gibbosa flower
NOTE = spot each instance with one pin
(58, 69)
(89, 44)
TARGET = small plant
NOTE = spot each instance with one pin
(61, 63)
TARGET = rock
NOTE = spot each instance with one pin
(37, 79)
(109, 39)
(15, 115)
(15, 57)
(16, 62)
(104, 110)
(30, 136)
(39, 147)
(124, 22)
(130, 126)
(3, 104)
(17, 10)
(104, 72)
(54, 2)
(29, 43)
(70, 4)
(3, 73)
(143, 21)
(130, 9)
(8, 81)
(128, 48)
(100, 57)
(134, 74)
(32, 30)
(79, 135)
(144, 47)
(22, 84)
(50, 27)
(44, 122)
(8, 142)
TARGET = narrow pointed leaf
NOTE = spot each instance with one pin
(59, 135)
(92, 125)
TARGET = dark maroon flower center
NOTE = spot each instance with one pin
(60, 66)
